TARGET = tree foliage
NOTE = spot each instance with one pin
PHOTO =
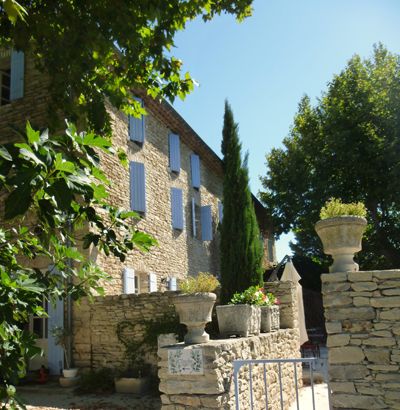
(53, 187)
(96, 50)
(346, 146)
(241, 249)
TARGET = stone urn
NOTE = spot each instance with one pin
(341, 237)
(239, 320)
(270, 319)
(194, 311)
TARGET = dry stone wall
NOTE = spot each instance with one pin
(362, 311)
(214, 389)
(95, 341)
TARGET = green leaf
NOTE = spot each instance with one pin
(18, 202)
(33, 136)
(61, 164)
(5, 154)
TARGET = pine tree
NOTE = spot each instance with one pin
(241, 248)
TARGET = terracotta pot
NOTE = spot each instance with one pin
(239, 320)
(270, 318)
(194, 311)
(341, 237)
(131, 385)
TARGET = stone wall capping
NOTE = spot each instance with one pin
(360, 276)
(334, 277)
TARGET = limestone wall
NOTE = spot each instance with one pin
(95, 341)
(362, 311)
(214, 389)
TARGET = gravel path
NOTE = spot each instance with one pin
(57, 398)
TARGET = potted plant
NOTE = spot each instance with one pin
(194, 305)
(269, 313)
(242, 316)
(341, 229)
(134, 379)
(61, 338)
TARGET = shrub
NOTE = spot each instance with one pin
(203, 282)
(254, 295)
(335, 207)
(96, 381)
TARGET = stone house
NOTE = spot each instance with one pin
(174, 181)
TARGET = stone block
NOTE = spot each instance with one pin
(334, 287)
(383, 367)
(333, 327)
(364, 286)
(334, 277)
(386, 274)
(353, 401)
(342, 387)
(391, 314)
(338, 340)
(380, 341)
(348, 354)
(337, 299)
(360, 276)
(382, 333)
(386, 302)
(378, 355)
(349, 372)
(391, 292)
(359, 313)
(361, 301)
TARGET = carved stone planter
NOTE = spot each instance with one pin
(270, 320)
(341, 238)
(239, 320)
(194, 311)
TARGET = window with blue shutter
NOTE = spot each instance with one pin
(195, 169)
(177, 208)
(138, 187)
(220, 211)
(174, 153)
(206, 223)
(17, 75)
(137, 127)
(270, 243)
(129, 281)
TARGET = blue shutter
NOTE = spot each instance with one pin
(152, 282)
(220, 211)
(137, 127)
(55, 353)
(270, 243)
(174, 153)
(194, 218)
(195, 167)
(177, 208)
(206, 223)
(172, 284)
(138, 187)
(129, 281)
(17, 75)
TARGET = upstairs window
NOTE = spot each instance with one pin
(12, 67)
(206, 223)
(130, 281)
(137, 127)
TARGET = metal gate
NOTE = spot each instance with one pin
(305, 362)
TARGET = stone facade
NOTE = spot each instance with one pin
(362, 311)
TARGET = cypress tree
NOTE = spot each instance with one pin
(241, 248)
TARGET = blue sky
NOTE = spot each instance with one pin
(265, 64)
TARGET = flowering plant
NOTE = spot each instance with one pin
(254, 295)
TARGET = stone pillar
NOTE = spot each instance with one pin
(200, 376)
(362, 311)
(286, 293)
